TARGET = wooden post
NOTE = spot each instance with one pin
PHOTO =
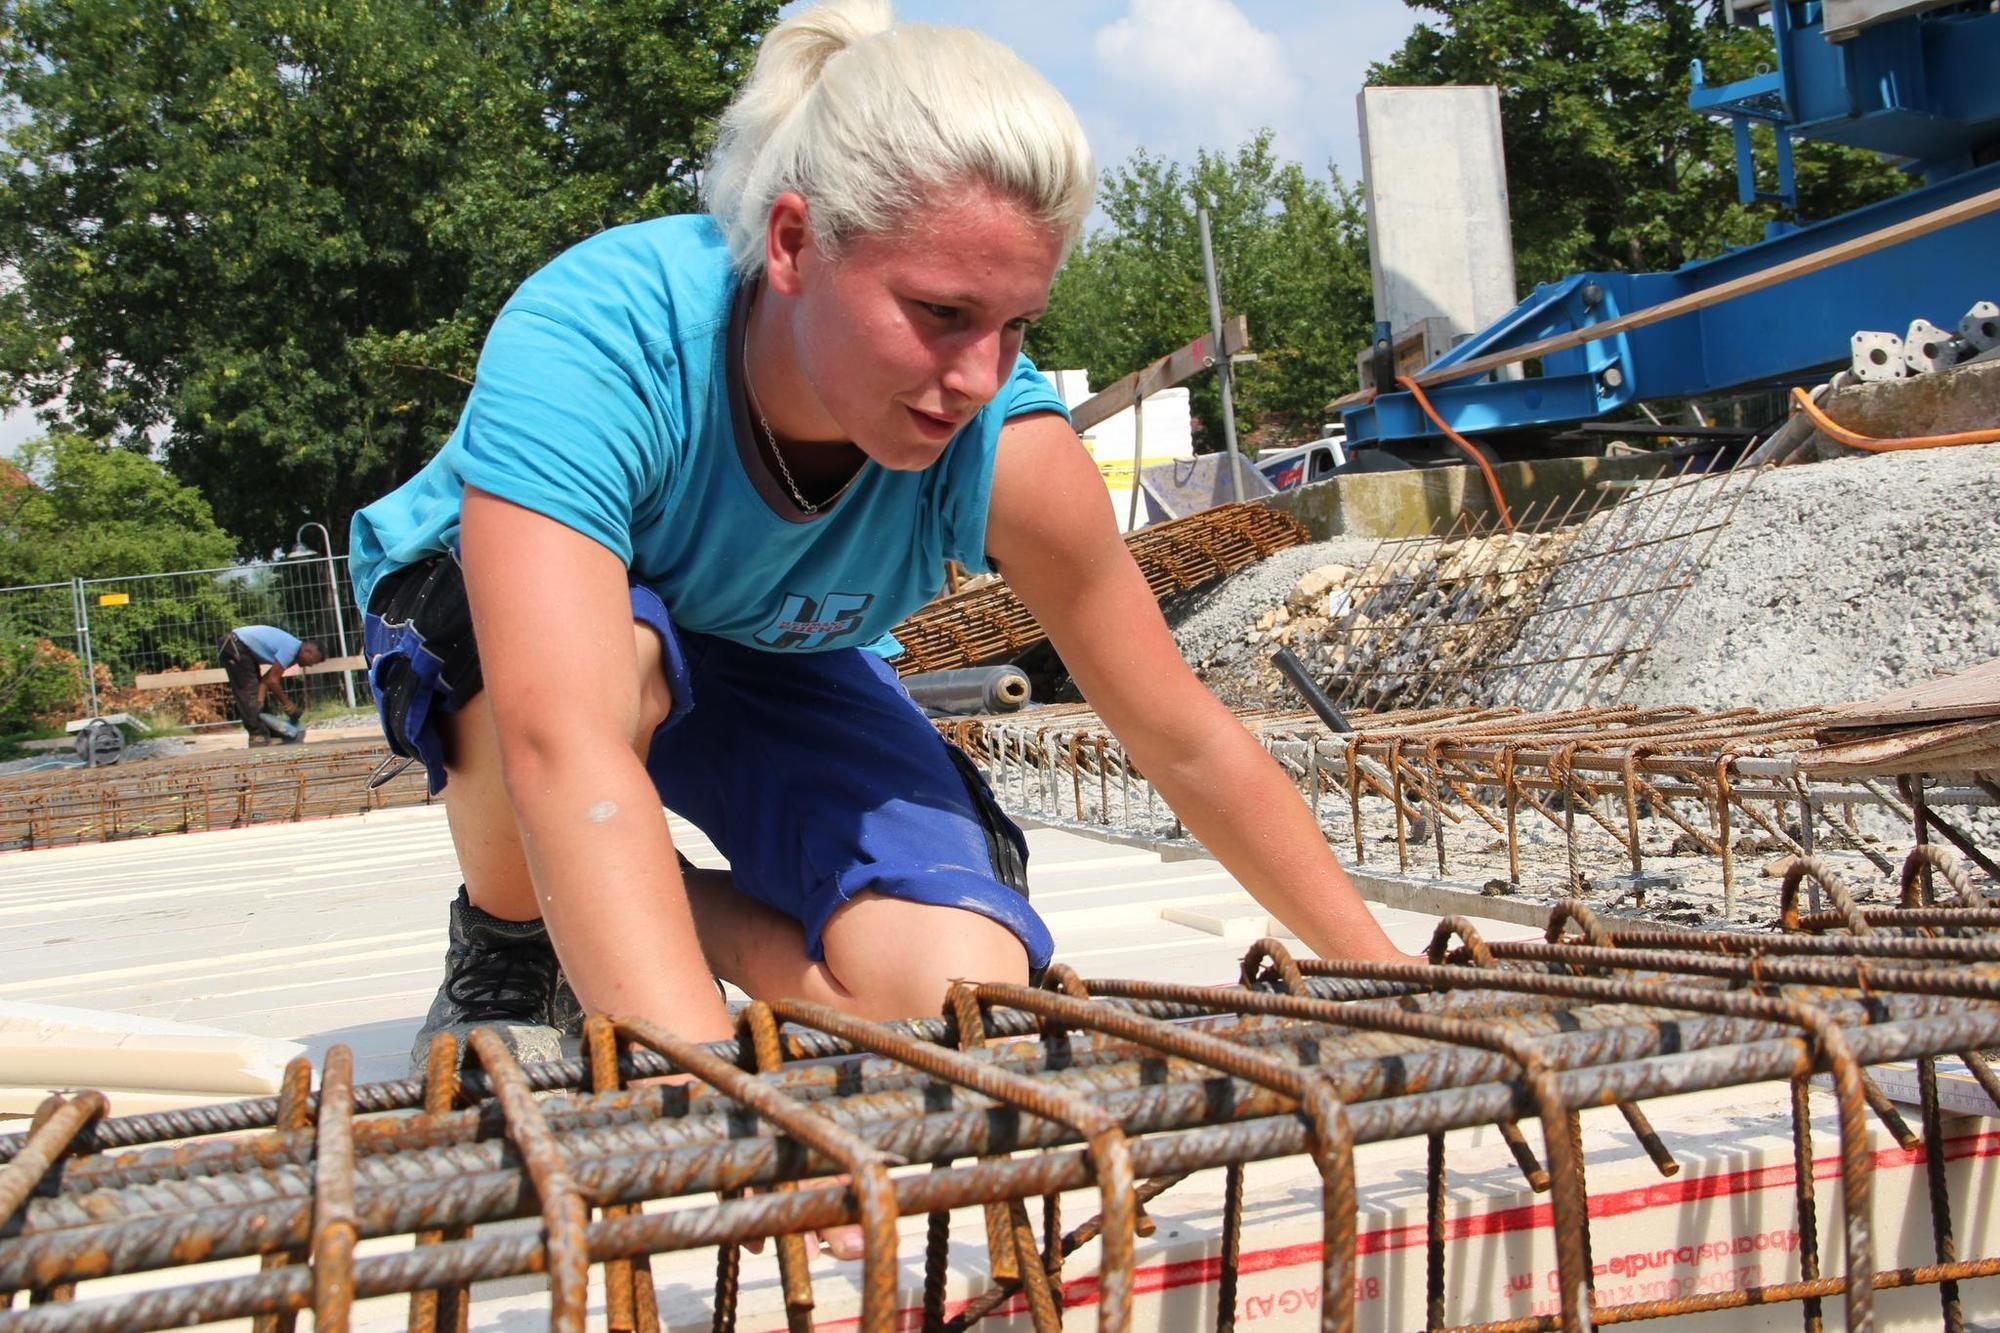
(1183, 362)
(1138, 459)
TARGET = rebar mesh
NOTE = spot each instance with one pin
(196, 793)
(1556, 612)
(1457, 789)
(1120, 1088)
(990, 624)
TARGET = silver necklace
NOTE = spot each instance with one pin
(778, 455)
(771, 438)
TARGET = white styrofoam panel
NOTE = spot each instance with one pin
(335, 930)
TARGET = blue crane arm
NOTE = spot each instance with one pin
(1920, 88)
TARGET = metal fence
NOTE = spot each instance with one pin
(145, 623)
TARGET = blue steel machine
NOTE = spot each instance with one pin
(1916, 80)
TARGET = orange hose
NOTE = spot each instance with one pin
(1492, 482)
(1834, 429)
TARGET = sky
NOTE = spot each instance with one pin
(1173, 76)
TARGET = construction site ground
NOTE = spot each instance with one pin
(1763, 589)
(209, 740)
(307, 935)
(296, 933)
(303, 936)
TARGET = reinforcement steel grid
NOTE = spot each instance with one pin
(1555, 609)
(235, 789)
(1418, 776)
(1121, 1087)
(990, 624)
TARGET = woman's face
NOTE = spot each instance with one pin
(904, 335)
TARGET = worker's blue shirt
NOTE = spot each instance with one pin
(269, 644)
(604, 400)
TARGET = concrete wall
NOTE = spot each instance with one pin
(1439, 239)
(1403, 504)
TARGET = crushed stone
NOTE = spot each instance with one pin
(1211, 625)
(1833, 581)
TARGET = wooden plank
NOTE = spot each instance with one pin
(167, 680)
(1974, 693)
(1880, 239)
(1168, 371)
(1955, 747)
(1413, 350)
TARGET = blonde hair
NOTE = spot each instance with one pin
(865, 118)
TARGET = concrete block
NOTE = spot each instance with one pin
(1440, 241)
(1945, 402)
(1403, 504)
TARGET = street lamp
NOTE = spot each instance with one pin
(301, 551)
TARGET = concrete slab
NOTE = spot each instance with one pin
(1422, 500)
(1944, 402)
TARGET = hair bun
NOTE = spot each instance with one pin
(863, 139)
(810, 38)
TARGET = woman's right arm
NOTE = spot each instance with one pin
(560, 665)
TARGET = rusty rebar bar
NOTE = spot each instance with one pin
(1539, 1030)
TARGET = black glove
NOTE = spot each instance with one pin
(294, 716)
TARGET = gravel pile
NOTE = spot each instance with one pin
(1212, 626)
(1833, 581)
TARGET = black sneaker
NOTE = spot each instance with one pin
(501, 975)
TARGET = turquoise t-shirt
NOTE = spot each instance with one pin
(604, 400)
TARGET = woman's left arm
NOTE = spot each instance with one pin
(1051, 532)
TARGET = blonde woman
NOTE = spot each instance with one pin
(708, 463)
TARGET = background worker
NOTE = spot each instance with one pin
(707, 462)
(256, 658)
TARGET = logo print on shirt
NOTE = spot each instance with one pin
(805, 624)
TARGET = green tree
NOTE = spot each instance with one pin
(1291, 253)
(76, 508)
(1607, 166)
(80, 509)
(270, 234)
(39, 682)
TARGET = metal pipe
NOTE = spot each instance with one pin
(970, 690)
(1315, 698)
(333, 591)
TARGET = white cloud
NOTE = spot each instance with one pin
(1198, 56)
